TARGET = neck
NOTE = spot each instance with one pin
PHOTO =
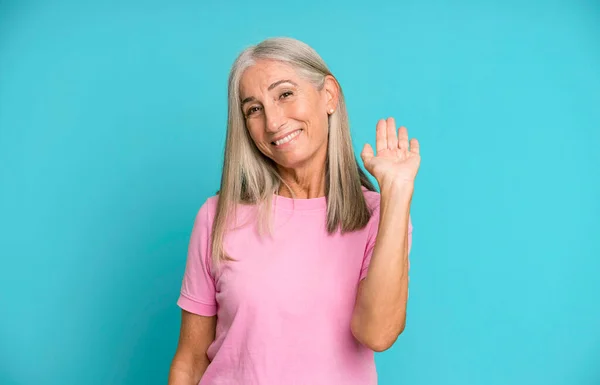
(306, 182)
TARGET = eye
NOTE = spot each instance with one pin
(252, 110)
(286, 94)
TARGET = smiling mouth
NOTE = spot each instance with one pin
(287, 138)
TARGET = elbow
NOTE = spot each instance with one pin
(381, 345)
(378, 341)
(384, 342)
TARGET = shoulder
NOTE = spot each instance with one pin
(206, 213)
(208, 210)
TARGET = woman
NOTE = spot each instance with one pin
(297, 270)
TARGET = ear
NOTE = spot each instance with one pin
(332, 92)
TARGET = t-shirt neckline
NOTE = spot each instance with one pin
(319, 203)
(282, 202)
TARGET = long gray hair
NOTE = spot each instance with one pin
(249, 177)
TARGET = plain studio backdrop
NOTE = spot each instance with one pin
(112, 125)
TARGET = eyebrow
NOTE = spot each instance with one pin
(251, 98)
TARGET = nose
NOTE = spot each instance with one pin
(275, 118)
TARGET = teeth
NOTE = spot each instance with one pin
(287, 138)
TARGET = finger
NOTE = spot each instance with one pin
(392, 139)
(381, 136)
(367, 153)
(403, 138)
(414, 146)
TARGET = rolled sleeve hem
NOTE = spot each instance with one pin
(193, 306)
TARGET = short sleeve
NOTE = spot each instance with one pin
(372, 235)
(198, 287)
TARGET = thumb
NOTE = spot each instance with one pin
(367, 153)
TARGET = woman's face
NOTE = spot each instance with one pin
(286, 116)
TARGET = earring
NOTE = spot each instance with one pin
(331, 111)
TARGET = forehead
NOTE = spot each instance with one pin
(263, 73)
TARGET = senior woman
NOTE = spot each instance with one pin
(297, 270)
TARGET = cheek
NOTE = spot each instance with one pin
(308, 111)
(257, 135)
(303, 109)
(254, 130)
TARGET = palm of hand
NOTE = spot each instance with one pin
(396, 162)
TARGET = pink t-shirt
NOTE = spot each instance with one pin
(284, 307)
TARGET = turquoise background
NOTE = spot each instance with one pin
(112, 123)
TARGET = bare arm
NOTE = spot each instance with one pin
(190, 361)
(380, 310)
